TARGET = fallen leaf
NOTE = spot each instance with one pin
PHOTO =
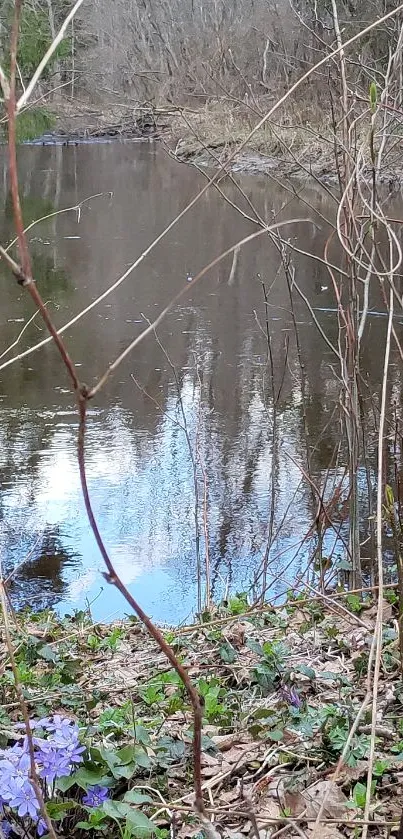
(226, 741)
(324, 831)
(267, 809)
(187, 831)
(229, 796)
(310, 800)
(236, 633)
(350, 773)
(294, 802)
(210, 760)
(210, 771)
(297, 618)
(373, 611)
(240, 754)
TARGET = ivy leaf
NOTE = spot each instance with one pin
(48, 654)
(306, 671)
(227, 653)
(126, 755)
(175, 748)
(127, 771)
(84, 778)
(255, 647)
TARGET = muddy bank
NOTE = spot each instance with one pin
(250, 162)
(304, 165)
(206, 137)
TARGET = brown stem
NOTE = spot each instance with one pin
(112, 577)
(25, 714)
(23, 273)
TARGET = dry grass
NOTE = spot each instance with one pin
(219, 124)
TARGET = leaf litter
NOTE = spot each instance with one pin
(281, 690)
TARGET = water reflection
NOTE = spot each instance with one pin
(139, 466)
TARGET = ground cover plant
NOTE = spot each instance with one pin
(281, 688)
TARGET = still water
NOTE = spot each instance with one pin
(211, 395)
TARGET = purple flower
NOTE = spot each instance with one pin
(64, 730)
(75, 752)
(60, 750)
(6, 828)
(56, 753)
(13, 754)
(96, 796)
(22, 797)
(44, 722)
(291, 696)
(41, 827)
(52, 762)
(295, 699)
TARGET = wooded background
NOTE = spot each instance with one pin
(183, 51)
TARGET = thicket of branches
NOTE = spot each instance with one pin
(184, 51)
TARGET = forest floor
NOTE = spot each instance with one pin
(289, 732)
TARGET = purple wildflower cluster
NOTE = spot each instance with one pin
(95, 796)
(57, 751)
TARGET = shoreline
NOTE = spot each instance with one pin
(279, 151)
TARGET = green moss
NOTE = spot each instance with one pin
(33, 123)
(30, 125)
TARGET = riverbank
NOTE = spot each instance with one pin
(294, 144)
(287, 728)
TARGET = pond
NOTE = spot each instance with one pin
(202, 408)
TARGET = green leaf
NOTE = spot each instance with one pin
(227, 653)
(306, 671)
(265, 676)
(84, 778)
(380, 767)
(133, 796)
(110, 757)
(59, 809)
(48, 654)
(373, 96)
(127, 754)
(255, 647)
(127, 771)
(64, 784)
(115, 809)
(263, 713)
(275, 735)
(96, 819)
(143, 826)
(118, 810)
(359, 795)
(237, 605)
(354, 603)
(142, 759)
(175, 748)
